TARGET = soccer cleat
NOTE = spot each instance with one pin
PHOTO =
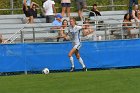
(72, 69)
(84, 69)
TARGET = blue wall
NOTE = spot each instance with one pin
(36, 56)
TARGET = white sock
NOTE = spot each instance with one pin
(72, 61)
(81, 62)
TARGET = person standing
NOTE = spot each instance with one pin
(27, 11)
(131, 3)
(50, 10)
(74, 33)
(81, 4)
(66, 4)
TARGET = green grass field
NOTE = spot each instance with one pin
(102, 81)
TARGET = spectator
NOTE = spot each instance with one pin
(95, 10)
(131, 3)
(62, 32)
(139, 15)
(27, 11)
(57, 23)
(49, 9)
(34, 9)
(88, 30)
(58, 20)
(81, 4)
(1, 40)
(127, 22)
(135, 13)
(66, 5)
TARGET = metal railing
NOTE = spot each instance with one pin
(104, 32)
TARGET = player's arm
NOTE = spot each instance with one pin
(67, 34)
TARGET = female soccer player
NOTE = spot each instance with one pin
(74, 33)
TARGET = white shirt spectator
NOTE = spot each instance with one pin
(48, 7)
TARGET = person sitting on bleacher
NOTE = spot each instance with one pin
(58, 20)
(88, 30)
(139, 15)
(95, 10)
(127, 22)
(135, 14)
(34, 9)
(63, 30)
(57, 23)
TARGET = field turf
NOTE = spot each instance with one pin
(101, 81)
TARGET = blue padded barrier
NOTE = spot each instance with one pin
(36, 56)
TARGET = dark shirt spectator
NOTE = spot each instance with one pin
(95, 10)
(27, 11)
(34, 9)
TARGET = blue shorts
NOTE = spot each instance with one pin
(65, 4)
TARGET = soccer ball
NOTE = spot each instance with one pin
(45, 71)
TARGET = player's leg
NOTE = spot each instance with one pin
(77, 54)
(71, 58)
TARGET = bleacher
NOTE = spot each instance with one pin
(40, 31)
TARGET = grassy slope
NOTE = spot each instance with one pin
(107, 81)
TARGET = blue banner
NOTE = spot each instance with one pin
(36, 56)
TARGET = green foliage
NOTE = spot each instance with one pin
(5, 4)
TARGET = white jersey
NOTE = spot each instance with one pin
(74, 33)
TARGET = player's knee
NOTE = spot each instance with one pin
(77, 56)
